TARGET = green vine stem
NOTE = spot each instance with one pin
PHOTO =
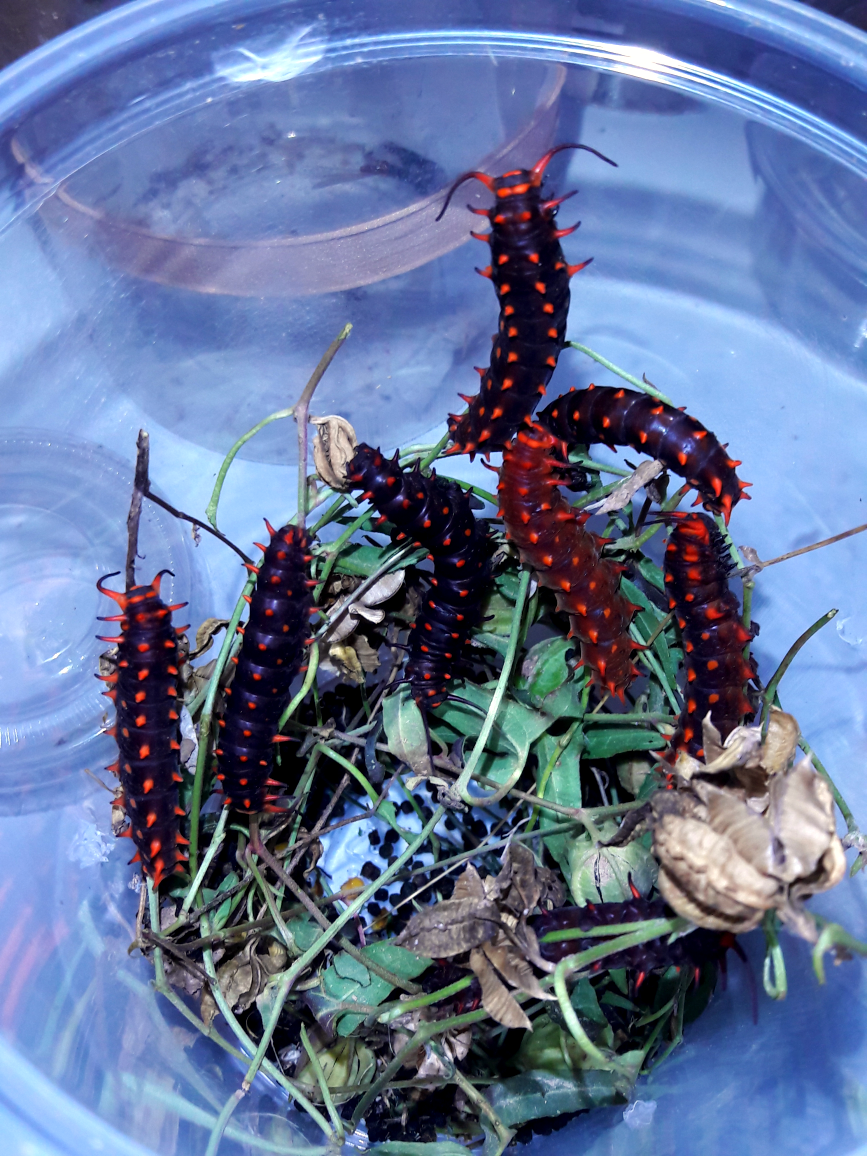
(222, 1122)
(206, 721)
(323, 1085)
(318, 372)
(774, 968)
(644, 386)
(771, 688)
(582, 959)
(504, 1134)
(323, 940)
(833, 935)
(460, 787)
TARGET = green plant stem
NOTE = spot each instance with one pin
(385, 1013)
(651, 928)
(323, 1085)
(460, 787)
(336, 546)
(213, 848)
(833, 935)
(301, 415)
(504, 1134)
(573, 963)
(644, 386)
(222, 1122)
(774, 967)
(309, 678)
(206, 721)
(771, 688)
(323, 940)
(247, 1043)
(328, 357)
(435, 452)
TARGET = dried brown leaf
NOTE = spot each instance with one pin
(801, 812)
(781, 743)
(333, 449)
(623, 493)
(451, 927)
(512, 966)
(206, 633)
(469, 885)
(496, 1000)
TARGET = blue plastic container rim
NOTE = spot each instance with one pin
(816, 37)
(29, 1101)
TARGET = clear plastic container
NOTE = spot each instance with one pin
(194, 197)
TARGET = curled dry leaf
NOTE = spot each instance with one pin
(766, 840)
(623, 493)
(451, 927)
(333, 449)
(206, 634)
(345, 618)
(496, 998)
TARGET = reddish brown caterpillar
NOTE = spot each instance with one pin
(531, 277)
(624, 417)
(275, 637)
(144, 689)
(565, 557)
(435, 514)
(696, 580)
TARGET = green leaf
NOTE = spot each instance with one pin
(648, 618)
(361, 560)
(544, 668)
(517, 728)
(536, 1094)
(349, 981)
(563, 787)
(593, 869)
(405, 730)
(604, 742)
(651, 573)
(218, 919)
(304, 933)
(586, 1003)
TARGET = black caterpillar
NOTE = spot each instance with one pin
(144, 689)
(696, 579)
(625, 417)
(693, 950)
(531, 277)
(271, 655)
(435, 514)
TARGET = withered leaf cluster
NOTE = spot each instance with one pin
(333, 449)
(349, 652)
(487, 918)
(747, 831)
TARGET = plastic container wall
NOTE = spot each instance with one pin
(194, 198)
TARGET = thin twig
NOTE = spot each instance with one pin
(211, 511)
(755, 564)
(222, 1121)
(301, 413)
(139, 489)
(151, 496)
